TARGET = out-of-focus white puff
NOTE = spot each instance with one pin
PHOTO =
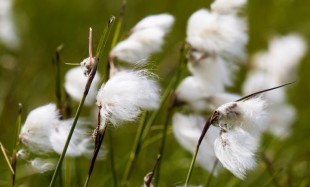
(147, 38)
(227, 6)
(8, 34)
(212, 32)
(258, 80)
(236, 151)
(159, 21)
(75, 83)
(127, 93)
(43, 133)
(187, 130)
(282, 57)
(43, 165)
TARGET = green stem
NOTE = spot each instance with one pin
(211, 174)
(104, 37)
(62, 156)
(16, 143)
(119, 24)
(135, 150)
(111, 152)
(164, 136)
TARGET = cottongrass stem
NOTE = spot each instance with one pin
(16, 143)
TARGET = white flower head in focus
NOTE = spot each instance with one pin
(126, 94)
(236, 151)
(187, 130)
(75, 83)
(222, 34)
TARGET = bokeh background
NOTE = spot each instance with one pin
(27, 76)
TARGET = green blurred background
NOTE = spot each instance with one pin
(26, 76)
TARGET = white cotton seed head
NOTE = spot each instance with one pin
(236, 151)
(227, 6)
(218, 99)
(212, 32)
(126, 94)
(259, 80)
(249, 115)
(43, 165)
(75, 83)
(282, 58)
(139, 46)
(159, 21)
(36, 130)
(187, 130)
(213, 71)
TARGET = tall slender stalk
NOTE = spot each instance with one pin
(56, 63)
(148, 178)
(134, 151)
(211, 173)
(16, 143)
(111, 154)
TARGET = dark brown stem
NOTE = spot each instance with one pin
(148, 178)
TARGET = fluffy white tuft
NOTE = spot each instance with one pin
(213, 71)
(236, 151)
(249, 115)
(283, 55)
(80, 144)
(75, 83)
(43, 165)
(86, 65)
(159, 21)
(218, 99)
(227, 6)
(37, 128)
(212, 32)
(187, 130)
(127, 93)
(43, 132)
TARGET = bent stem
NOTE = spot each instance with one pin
(203, 133)
(99, 136)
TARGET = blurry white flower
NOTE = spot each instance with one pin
(159, 21)
(212, 32)
(8, 35)
(22, 154)
(187, 130)
(259, 80)
(43, 165)
(227, 6)
(236, 151)
(218, 99)
(147, 37)
(87, 65)
(126, 94)
(44, 132)
(280, 120)
(213, 71)
(249, 114)
(75, 83)
(282, 58)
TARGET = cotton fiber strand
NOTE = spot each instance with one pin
(236, 151)
(126, 94)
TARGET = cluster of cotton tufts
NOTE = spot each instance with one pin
(126, 94)
(187, 130)
(8, 35)
(43, 132)
(273, 67)
(146, 38)
(75, 83)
